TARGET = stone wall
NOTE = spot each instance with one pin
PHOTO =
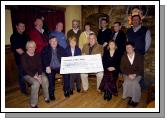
(120, 13)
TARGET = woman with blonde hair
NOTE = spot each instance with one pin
(33, 74)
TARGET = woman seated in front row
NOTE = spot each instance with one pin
(32, 67)
(73, 50)
(132, 67)
(111, 65)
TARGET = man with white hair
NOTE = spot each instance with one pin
(75, 31)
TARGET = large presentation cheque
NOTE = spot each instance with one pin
(81, 64)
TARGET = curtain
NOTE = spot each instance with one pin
(27, 14)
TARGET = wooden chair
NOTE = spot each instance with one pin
(120, 81)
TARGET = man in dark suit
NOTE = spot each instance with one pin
(51, 59)
(119, 37)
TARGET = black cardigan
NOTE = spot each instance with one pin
(109, 61)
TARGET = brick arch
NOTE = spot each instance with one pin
(93, 19)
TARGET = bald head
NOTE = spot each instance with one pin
(59, 26)
(38, 23)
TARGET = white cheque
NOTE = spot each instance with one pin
(81, 64)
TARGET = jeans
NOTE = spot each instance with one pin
(22, 84)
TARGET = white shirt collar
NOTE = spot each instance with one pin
(103, 29)
(116, 33)
(40, 30)
(115, 36)
(72, 51)
(131, 59)
(75, 30)
(135, 29)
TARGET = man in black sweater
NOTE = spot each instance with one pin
(104, 34)
(120, 38)
(18, 42)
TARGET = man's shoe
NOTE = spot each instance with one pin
(130, 101)
(85, 91)
(33, 106)
(134, 104)
(109, 96)
(52, 97)
(47, 100)
(78, 90)
(67, 94)
(105, 95)
(71, 91)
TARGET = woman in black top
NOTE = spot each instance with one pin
(111, 66)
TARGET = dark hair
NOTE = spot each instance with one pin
(136, 16)
(103, 19)
(51, 37)
(110, 42)
(119, 23)
(92, 34)
(18, 22)
(130, 43)
(87, 24)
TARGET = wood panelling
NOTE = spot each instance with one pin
(11, 73)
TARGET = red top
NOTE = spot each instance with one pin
(40, 39)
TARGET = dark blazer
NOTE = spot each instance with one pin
(136, 68)
(47, 55)
(76, 52)
(120, 41)
(109, 61)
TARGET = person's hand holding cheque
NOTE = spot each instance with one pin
(105, 44)
(111, 69)
(48, 70)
